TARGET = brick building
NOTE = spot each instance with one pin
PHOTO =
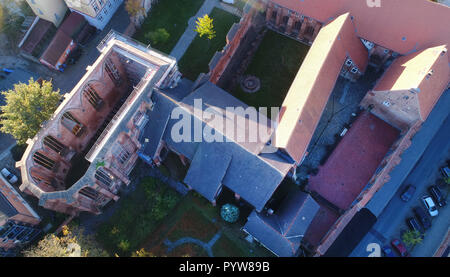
(344, 40)
(83, 154)
(121, 110)
(18, 220)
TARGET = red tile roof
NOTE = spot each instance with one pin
(354, 161)
(399, 25)
(56, 48)
(309, 93)
(37, 34)
(427, 72)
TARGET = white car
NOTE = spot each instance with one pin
(429, 205)
(12, 179)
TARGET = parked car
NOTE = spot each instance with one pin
(429, 205)
(400, 247)
(12, 179)
(422, 215)
(437, 196)
(445, 171)
(408, 193)
(414, 225)
(388, 251)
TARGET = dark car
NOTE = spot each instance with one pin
(408, 193)
(388, 252)
(437, 196)
(400, 247)
(423, 217)
(414, 225)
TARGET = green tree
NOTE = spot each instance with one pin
(134, 7)
(158, 36)
(412, 238)
(27, 107)
(205, 27)
(69, 244)
(142, 253)
(229, 213)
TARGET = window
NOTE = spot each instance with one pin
(354, 70)
(349, 62)
(104, 177)
(123, 156)
(92, 96)
(101, 2)
(54, 144)
(89, 193)
(95, 7)
(112, 72)
(44, 161)
(72, 124)
(100, 18)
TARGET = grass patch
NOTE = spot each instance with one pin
(193, 224)
(172, 15)
(276, 63)
(137, 216)
(196, 217)
(224, 247)
(201, 51)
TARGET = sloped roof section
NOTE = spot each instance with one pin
(309, 93)
(207, 170)
(395, 24)
(426, 73)
(252, 175)
(56, 48)
(283, 232)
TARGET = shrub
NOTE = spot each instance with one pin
(158, 36)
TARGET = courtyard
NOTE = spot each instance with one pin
(197, 57)
(195, 229)
(275, 67)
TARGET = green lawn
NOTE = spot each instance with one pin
(196, 217)
(201, 51)
(172, 15)
(276, 63)
(138, 215)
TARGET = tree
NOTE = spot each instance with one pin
(27, 107)
(71, 243)
(205, 27)
(134, 8)
(158, 36)
(411, 238)
(142, 253)
(229, 213)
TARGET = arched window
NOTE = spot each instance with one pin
(92, 96)
(112, 72)
(44, 161)
(72, 124)
(89, 193)
(54, 144)
(104, 177)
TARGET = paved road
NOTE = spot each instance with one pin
(392, 219)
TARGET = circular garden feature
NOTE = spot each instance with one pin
(250, 84)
